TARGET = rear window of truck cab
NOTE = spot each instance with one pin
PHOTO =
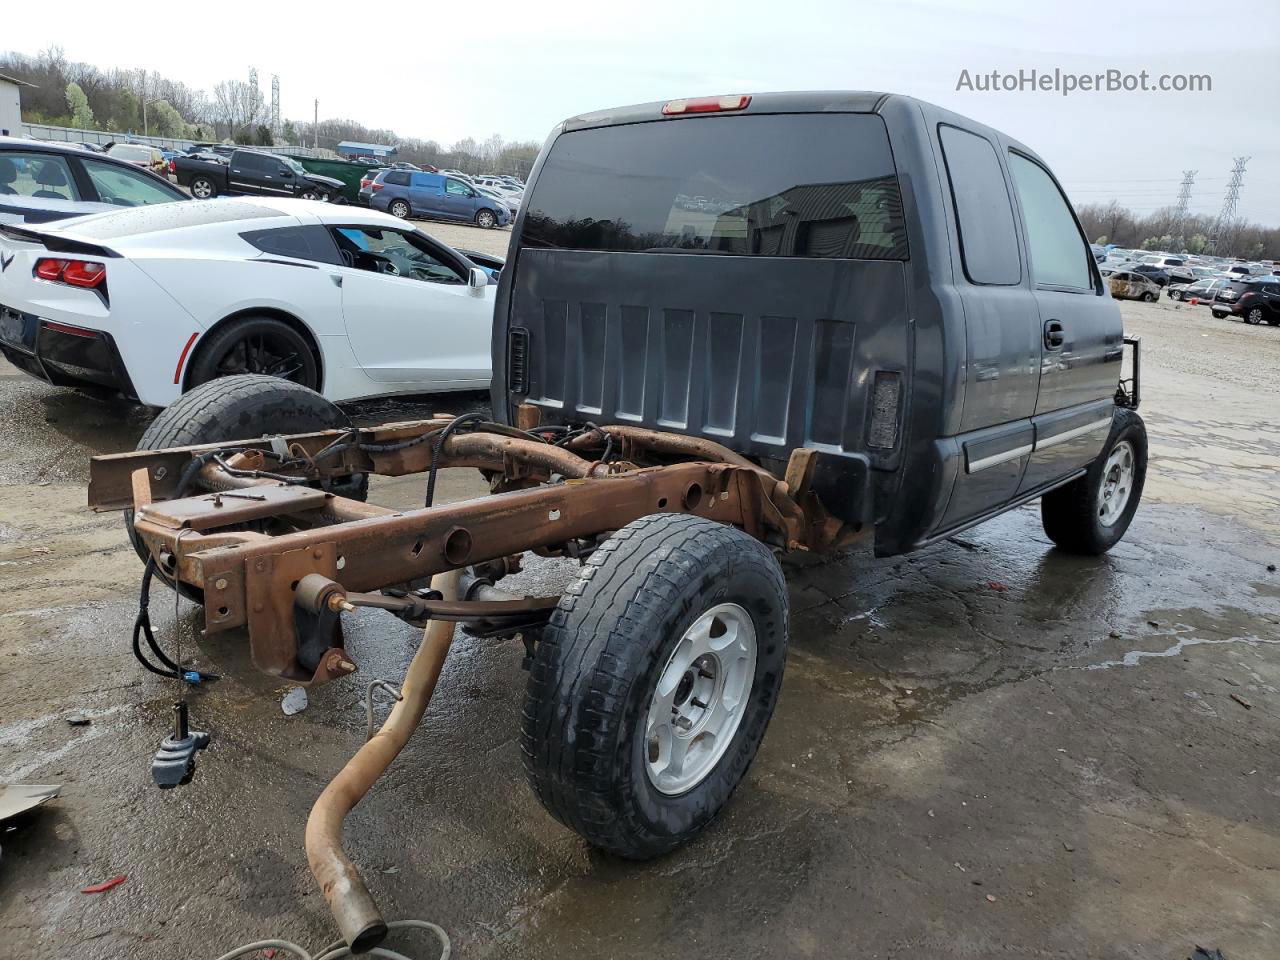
(776, 185)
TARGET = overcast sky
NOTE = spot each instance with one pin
(442, 72)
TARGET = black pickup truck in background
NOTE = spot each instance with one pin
(253, 173)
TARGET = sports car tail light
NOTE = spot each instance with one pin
(737, 101)
(74, 273)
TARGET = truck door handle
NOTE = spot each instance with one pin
(1054, 334)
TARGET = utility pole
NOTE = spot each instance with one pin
(315, 128)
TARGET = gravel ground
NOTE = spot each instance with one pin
(1077, 762)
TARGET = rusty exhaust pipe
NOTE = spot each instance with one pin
(357, 916)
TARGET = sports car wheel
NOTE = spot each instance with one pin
(261, 345)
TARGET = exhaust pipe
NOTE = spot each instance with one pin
(358, 917)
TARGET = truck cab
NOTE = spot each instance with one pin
(899, 288)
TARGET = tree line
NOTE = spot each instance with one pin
(138, 101)
(1165, 230)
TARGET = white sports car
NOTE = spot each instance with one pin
(152, 301)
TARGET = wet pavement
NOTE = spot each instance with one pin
(986, 748)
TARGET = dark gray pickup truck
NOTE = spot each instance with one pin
(253, 173)
(878, 322)
(895, 286)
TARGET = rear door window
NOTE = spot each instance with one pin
(1059, 255)
(784, 185)
(984, 213)
(397, 178)
(44, 175)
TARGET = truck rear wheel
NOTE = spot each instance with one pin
(653, 684)
(202, 188)
(241, 408)
(1091, 514)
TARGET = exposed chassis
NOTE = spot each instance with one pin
(259, 523)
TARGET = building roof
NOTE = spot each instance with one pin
(21, 83)
(366, 147)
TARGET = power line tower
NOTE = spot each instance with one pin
(1229, 201)
(275, 104)
(255, 93)
(1184, 195)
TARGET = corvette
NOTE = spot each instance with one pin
(152, 301)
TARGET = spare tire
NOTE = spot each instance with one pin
(241, 408)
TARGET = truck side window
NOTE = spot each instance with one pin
(984, 213)
(1059, 255)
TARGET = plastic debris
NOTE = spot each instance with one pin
(997, 585)
(295, 701)
(1241, 700)
(105, 885)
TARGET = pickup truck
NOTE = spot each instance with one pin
(253, 173)
(882, 324)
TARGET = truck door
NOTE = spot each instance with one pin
(1081, 333)
(1001, 324)
(252, 173)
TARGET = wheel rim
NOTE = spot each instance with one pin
(201, 190)
(400, 210)
(264, 354)
(311, 195)
(700, 699)
(486, 219)
(1255, 315)
(1117, 483)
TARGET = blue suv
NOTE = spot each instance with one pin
(406, 193)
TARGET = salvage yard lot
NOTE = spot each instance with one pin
(985, 748)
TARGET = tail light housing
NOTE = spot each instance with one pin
(74, 273)
(173, 166)
(376, 186)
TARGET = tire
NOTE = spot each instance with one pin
(1253, 316)
(1077, 517)
(399, 208)
(1148, 297)
(202, 188)
(255, 345)
(486, 219)
(593, 685)
(1175, 294)
(313, 195)
(241, 408)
